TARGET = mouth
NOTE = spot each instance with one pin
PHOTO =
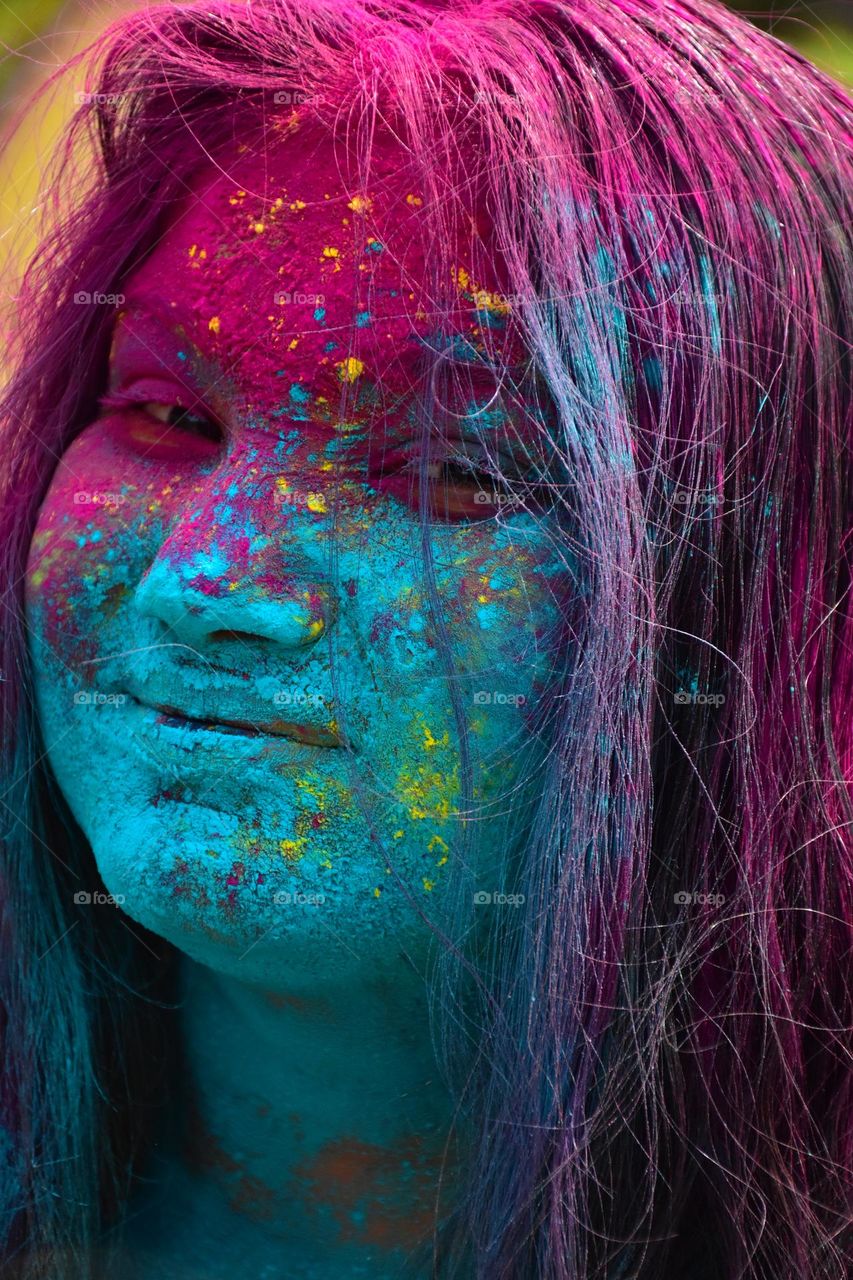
(309, 735)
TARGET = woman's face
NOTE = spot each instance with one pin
(238, 674)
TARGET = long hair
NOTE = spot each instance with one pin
(659, 1083)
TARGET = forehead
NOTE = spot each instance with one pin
(285, 267)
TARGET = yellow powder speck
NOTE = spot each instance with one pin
(349, 369)
(345, 222)
(327, 864)
(298, 204)
(398, 835)
(326, 465)
(460, 276)
(232, 586)
(483, 599)
(292, 849)
(202, 253)
(315, 628)
(213, 324)
(330, 252)
(413, 200)
(193, 248)
(360, 204)
(429, 885)
(322, 400)
(441, 861)
(377, 892)
(434, 841)
(316, 502)
(278, 202)
(259, 227)
(293, 345)
(281, 484)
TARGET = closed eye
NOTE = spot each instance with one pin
(160, 429)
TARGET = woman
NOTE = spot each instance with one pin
(428, 653)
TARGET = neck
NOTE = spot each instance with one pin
(320, 1121)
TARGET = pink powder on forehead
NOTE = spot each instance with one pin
(283, 272)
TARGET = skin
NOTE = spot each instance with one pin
(296, 866)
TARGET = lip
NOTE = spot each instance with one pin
(307, 735)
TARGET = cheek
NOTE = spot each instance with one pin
(102, 523)
(90, 533)
(503, 607)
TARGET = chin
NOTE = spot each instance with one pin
(258, 920)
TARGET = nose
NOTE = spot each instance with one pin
(253, 573)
